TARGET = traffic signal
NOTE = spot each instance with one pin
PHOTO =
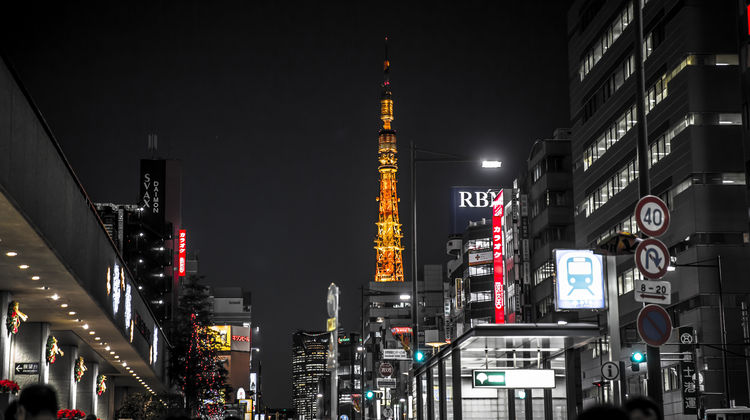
(418, 356)
(636, 358)
(600, 384)
(369, 394)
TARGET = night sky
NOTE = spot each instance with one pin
(273, 107)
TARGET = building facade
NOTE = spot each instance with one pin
(694, 106)
(309, 356)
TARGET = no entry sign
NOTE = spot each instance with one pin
(652, 216)
(654, 325)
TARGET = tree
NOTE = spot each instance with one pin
(144, 406)
(195, 365)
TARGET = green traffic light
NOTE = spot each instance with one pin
(637, 357)
(369, 395)
(418, 356)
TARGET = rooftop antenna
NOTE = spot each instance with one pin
(153, 144)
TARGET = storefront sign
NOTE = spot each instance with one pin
(224, 336)
(182, 252)
(395, 354)
(241, 340)
(513, 378)
(386, 382)
(580, 279)
(497, 257)
(689, 387)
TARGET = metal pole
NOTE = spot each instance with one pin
(613, 324)
(653, 357)
(415, 289)
(746, 340)
(722, 319)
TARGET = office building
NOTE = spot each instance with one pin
(309, 358)
(696, 118)
(538, 219)
(232, 318)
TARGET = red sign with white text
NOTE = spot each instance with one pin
(182, 252)
(497, 257)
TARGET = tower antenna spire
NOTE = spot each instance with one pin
(386, 63)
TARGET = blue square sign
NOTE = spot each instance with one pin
(580, 279)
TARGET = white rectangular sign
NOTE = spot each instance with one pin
(395, 354)
(513, 378)
(652, 291)
(580, 279)
(386, 382)
(476, 258)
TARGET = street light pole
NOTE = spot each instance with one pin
(414, 266)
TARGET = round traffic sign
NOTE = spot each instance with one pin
(610, 371)
(654, 325)
(652, 258)
(686, 338)
(386, 369)
(652, 215)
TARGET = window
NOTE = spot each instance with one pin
(670, 378)
(605, 41)
(626, 280)
(547, 270)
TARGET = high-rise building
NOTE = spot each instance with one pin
(309, 356)
(232, 318)
(389, 266)
(696, 120)
(538, 219)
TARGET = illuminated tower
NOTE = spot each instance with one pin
(388, 242)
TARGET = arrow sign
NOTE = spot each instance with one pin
(652, 258)
(651, 291)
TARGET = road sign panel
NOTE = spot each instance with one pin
(652, 258)
(395, 354)
(652, 291)
(654, 325)
(652, 216)
(610, 371)
(27, 368)
(386, 382)
(386, 369)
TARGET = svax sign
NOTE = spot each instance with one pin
(579, 280)
(471, 204)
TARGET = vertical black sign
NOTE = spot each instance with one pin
(153, 177)
(689, 387)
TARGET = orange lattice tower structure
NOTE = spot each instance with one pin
(390, 265)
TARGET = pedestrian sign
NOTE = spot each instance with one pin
(654, 325)
(652, 258)
(610, 371)
(652, 216)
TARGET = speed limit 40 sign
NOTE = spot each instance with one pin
(652, 216)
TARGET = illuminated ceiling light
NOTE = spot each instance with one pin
(23, 266)
(42, 287)
(405, 297)
(124, 363)
(11, 253)
(106, 348)
(92, 332)
(64, 305)
(35, 277)
(85, 326)
(55, 296)
(117, 357)
(111, 352)
(97, 339)
(133, 374)
(140, 234)
(492, 164)
(71, 313)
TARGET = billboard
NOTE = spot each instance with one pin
(579, 280)
(241, 339)
(482, 257)
(497, 257)
(225, 336)
(470, 204)
(152, 190)
(181, 252)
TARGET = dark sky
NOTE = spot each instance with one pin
(273, 109)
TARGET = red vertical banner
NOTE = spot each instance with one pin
(497, 258)
(182, 252)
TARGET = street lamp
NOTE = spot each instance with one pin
(435, 157)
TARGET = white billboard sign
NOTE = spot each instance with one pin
(580, 279)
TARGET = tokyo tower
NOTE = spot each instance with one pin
(388, 242)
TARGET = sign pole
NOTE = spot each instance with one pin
(613, 323)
